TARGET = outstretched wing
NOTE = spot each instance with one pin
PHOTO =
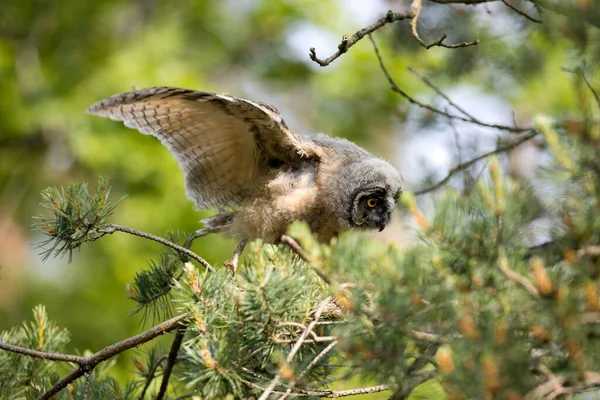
(223, 144)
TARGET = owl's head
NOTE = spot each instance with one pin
(371, 188)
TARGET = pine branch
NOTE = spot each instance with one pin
(112, 228)
(80, 217)
(150, 375)
(328, 393)
(404, 392)
(88, 363)
(172, 359)
(296, 347)
(314, 362)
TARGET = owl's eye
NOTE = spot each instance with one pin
(371, 203)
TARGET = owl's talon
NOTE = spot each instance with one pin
(232, 264)
(231, 267)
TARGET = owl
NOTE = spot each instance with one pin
(240, 158)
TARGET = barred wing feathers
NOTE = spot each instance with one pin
(223, 144)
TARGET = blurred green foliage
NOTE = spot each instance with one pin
(58, 57)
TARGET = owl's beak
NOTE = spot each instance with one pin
(382, 221)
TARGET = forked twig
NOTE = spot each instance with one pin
(394, 86)
(415, 9)
(348, 42)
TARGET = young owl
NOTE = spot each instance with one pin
(239, 157)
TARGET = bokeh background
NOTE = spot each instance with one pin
(58, 57)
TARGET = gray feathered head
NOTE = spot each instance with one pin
(370, 188)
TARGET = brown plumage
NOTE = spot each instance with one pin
(240, 157)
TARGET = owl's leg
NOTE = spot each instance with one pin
(231, 264)
(215, 224)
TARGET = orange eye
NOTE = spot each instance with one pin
(371, 202)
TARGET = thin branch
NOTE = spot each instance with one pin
(347, 42)
(296, 347)
(293, 244)
(521, 13)
(403, 393)
(467, 2)
(41, 354)
(424, 359)
(415, 9)
(428, 82)
(425, 336)
(555, 387)
(88, 383)
(170, 363)
(467, 164)
(60, 385)
(587, 82)
(326, 393)
(518, 278)
(88, 363)
(412, 100)
(318, 358)
(150, 376)
(112, 228)
(296, 248)
(314, 362)
(315, 338)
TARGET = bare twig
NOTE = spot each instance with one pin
(428, 82)
(414, 101)
(415, 9)
(296, 347)
(521, 13)
(348, 42)
(171, 360)
(467, 164)
(467, 2)
(88, 363)
(112, 228)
